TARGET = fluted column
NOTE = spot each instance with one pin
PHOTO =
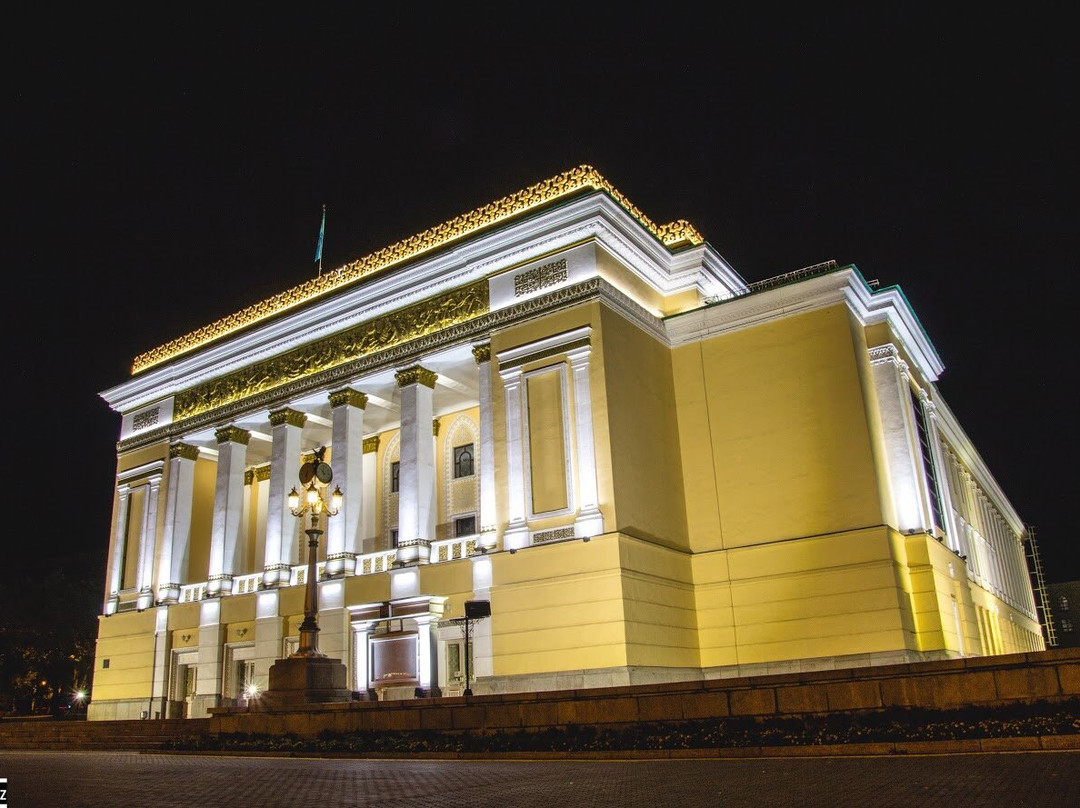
(486, 456)
(589, 521)
(176, 538)
(286, 426)
(228, 506)
(344, 533)
(123, 500)
(517, 529)
(416, 476)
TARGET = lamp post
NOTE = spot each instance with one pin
(313, 503)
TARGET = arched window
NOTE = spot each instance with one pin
(463, 461)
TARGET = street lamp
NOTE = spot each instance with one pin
(313, 503)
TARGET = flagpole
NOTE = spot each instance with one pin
(318, 248)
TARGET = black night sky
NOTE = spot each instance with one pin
(159, 176)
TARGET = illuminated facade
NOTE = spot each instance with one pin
(652, 470)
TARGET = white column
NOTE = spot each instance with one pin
(944, 489)
(589, 521)
(517, 529)
(416, 477)
(228, 505)
(485, 458)
(426, 654)
(268, 636)
(344, 533)
(211, 647)
(123, 499)
(176, 539)
(367, 507)
(147, 542)
(286, 428)
(894, 402)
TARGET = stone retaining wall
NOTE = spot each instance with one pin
(947, 684)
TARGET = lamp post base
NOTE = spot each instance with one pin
(300, 680)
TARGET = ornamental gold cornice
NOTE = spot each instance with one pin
(416, 321)
(249, 476)
(482, 353)
(582, 178)
(350, 397)
(232, 434)
(184, 451)
(416, 375)
(371, 444)
(262, 473)
(287, 416)
(399, 355)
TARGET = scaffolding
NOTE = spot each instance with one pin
(1038, 585)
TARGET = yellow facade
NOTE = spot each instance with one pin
(646, 481)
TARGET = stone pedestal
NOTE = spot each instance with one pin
(297, 681)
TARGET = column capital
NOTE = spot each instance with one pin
(287, 416)
(416, 375)
(348, 396)
(184, 451)
(262, 473)
(232, 434)
(482, 353)
(435, 424)
(249, 476)
(371, 444)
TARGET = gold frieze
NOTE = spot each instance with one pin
(383, 332)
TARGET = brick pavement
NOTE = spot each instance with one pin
(132, 779)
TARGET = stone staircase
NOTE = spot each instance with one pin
(38, 733)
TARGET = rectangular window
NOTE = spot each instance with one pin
(395, 477)
(465, 526)
(463, 461)
(925, 450)
(393, 538)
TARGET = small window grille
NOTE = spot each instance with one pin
(464, 526)
(395, 477)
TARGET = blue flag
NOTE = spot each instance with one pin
(322, 232)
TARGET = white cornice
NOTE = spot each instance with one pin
(595, 216)
(843, 286)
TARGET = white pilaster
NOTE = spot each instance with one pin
(158, 700)
(334, 620)
(898, 429)
(416, 477)
(227, 526)
(480, 630)
(589, 521)
(344, 533)
(147, 542)
(208, 676)
(517, 529)
(426, 654)
(176, 538)
(268, 636)
(123, 500)
(361, 655)
(286, 428)
(486, 457)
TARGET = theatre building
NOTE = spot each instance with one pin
(651, 469)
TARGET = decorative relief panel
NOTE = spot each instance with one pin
(146, 419)
(382, 332)
(537, 278)
(553, 535)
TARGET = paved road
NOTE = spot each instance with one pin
(95, 779)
